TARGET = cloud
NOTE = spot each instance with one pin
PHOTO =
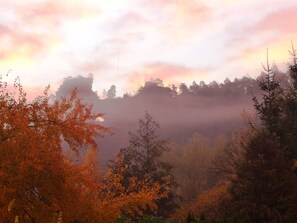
(33, 29)
(53, 12)
(178, 18)
(283, 21)
(277, 51)
(129, 19)
(274, 30)
(18, 45)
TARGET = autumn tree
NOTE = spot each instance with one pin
(39, 183)
(32, 168)
(192, 162)
(229, 154)
(212, 205)
(142, 160)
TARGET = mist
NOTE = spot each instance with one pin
(208, 110)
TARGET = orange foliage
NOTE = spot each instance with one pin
(117, 198)
(214, 204)
(38, 183)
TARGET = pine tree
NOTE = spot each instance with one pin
(264, 184)
(142, 159)
(289, 117)
(264, 189)
(269, 108)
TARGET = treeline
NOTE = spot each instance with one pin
(210, 110)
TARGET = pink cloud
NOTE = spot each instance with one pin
(52, 12)
(178, 18)
(185, 10)
(253, 56)
(282, 20)
(254, 49)
(34, 28)
(16, 43)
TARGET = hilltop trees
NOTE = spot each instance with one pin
(111, 93)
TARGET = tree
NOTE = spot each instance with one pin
(288, 138)
(278, 109)
(269, 109)
(191, 166)
(173, 91)
(226, 159)
(142, 160)
(40, 183)
(194, 88)
(265, 185)
(183, 89)
(111, 93)
(153, 88)
(33, 170)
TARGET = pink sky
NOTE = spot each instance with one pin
(125, 42)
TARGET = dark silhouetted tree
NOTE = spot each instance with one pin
(264, 188)
(288, 138)
(174, 90)
(194, 88)
(269, 108)
(142, 159)
(111, 93)
(265, 185)
(183, 89)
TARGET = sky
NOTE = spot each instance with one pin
(127, 42)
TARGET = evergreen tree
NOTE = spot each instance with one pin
(278, 108)
(142, 159)
(269, 108)
(263, 189)
(289, 117)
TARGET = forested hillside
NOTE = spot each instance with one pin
(209, 110)
(204, 153)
